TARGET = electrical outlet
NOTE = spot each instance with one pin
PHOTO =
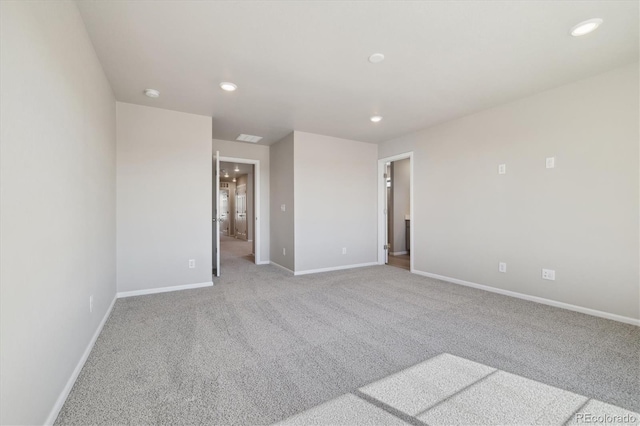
(284, 251)
(192, 263)
(91, 303)
(344, 250)
(283, 207)
(502, 267)
(502, 169)
(549, 274)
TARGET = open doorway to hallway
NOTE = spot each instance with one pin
(237, 209)
(395, 202)
(398, 213)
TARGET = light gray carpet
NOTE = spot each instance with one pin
(262, 345)
(449, 390)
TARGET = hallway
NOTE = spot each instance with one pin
(235, 256)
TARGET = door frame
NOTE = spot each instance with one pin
(382, 214)
(257, 217)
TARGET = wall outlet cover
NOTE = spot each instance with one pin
(549, 274)
(502, 169)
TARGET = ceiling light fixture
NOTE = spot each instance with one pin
(376, 57)
(586, 27)
(226, 174)
(234, 179)
(228, 87)
(376, 118)
(152, 93)
(237, 169)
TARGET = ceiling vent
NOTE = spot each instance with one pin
(249, 138)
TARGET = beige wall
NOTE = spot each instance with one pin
(329, 214)
(164, 205)
(401, 203)
(57, 216)
(282, 192)
(580, 218)
(260, 153)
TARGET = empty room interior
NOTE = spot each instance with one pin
(319, 213)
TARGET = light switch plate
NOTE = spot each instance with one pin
(502, 169)
(550, 162)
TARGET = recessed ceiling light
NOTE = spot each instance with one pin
(586, 27)
(376, 118)
(229, 87)
(152, 93)
(376, 57)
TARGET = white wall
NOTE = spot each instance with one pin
(260, 153)
(57, 216)
(282, 193)
(580, 218)
(164, 205)
(400, 181)
(335, 202)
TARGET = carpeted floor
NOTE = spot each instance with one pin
(262, 345)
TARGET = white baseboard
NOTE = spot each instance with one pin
(263, 262)
(281, 267)
(530, 298)
(53, 415)
(398, 253)
(122, 294)
(335, 268)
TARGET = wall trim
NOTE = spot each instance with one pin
(62, 398)
(542, 300)
(398, 253)
(335, 268)
(122, 294)
(264, 262)
(281, 267)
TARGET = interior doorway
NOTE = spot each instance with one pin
(396, 221)
(237, 207)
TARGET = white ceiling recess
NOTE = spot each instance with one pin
(304, 65)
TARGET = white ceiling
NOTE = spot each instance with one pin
(303, 65)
